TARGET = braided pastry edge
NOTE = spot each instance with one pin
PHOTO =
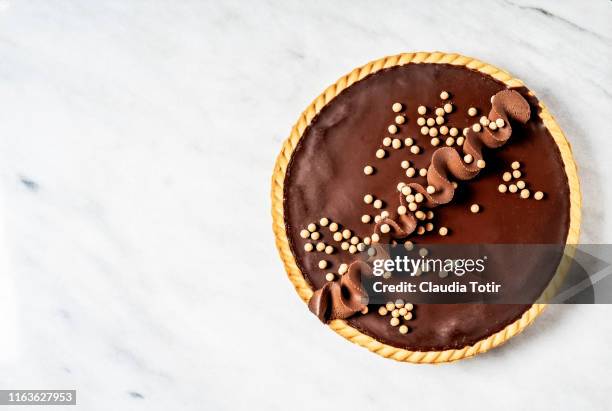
(303, 288)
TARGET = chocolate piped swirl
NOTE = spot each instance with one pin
(343, 298)
(446, 162)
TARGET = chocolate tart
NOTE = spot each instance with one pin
(320, 173)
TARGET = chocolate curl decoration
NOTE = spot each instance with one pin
(446, 161)
(342, 298)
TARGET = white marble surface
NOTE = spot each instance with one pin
(137, 140)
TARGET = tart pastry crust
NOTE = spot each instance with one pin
(305, 291)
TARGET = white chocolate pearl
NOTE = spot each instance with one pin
(439, 120)
(444, 95)
(448, 108)
(392, 129)
(468, 158)
(433, 132)
(507, 176)
(400, 119)
(346, 234)
(453, 131)
(435, 141)
(492, 126)
(378, 204)
(361, 247)
(465, 131)
(312, 227)
(477, 127)
(342, 269)
(423, 172)
(330, 276)
(443, 231)
(515, 165)
(333, 227)
(355, 240)
(525, 193)
(472, 111)
(405, 164)
(500, 122)
(431, 122)
(308, 247)
(375, 238)
(385, 228)
(394, 322)
(315, 235)
(410, 198)
(352, 249)
(410, 172)
(408, 245)
(475, 208)
(418, 197)
(431, 189)
(401, 210)
(408, 141)
(396, 107)
(380, 153)
(460, 141)
(412, 206)
(439, 112)
(420, 215)
(423, 252)
(384, 214)
(422, 110)
(421, 121)
(521, 184)
(337, 236)
(409, 306)
(304, 233)
(430, 215)
(387, 141)
(424, 130)
(345, 245)
(502, 188)
(450, 141)
(415, 150)
(538, 195)
(406, 190)
(320, 246)
(367, 170)
(368, 198)
(400, 185)
(484, 121)
(408, 317)
(322, 264)
(366, 218)
(429, 226)
(395, 313)
(513, 188)
(444, 130)
(377, 219)
(397, 143)
(324, 222)
(399, 303)
(516, 174)
(454, 184)
(382, 311)
(481, 164)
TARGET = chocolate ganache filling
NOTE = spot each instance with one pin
(325, 178)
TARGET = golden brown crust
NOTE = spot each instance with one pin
(303, 288)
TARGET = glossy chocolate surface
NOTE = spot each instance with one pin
(325, 179)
